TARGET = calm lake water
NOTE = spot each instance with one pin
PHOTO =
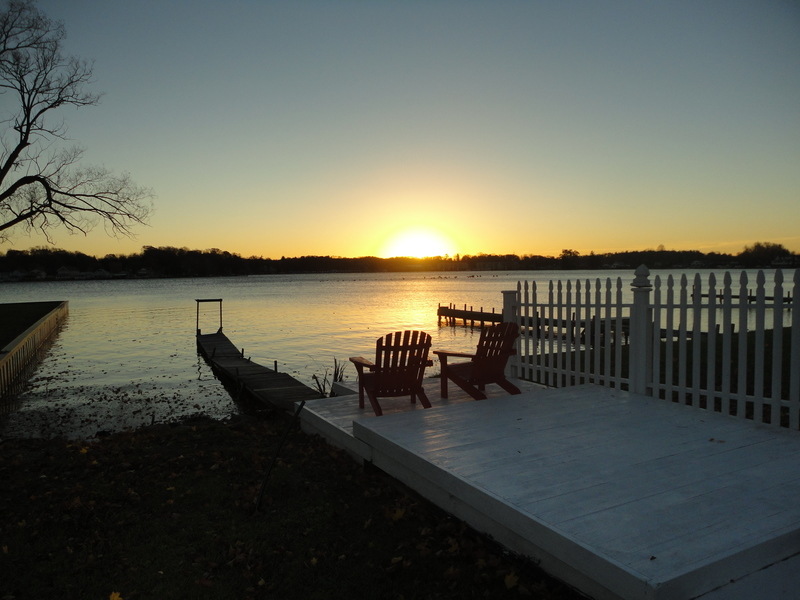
(126, 356)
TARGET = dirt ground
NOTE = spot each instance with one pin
(168, 511)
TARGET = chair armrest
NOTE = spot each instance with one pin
(441, 353)
(360, 363)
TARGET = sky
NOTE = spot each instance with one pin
(346, 128)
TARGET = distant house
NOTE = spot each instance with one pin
(784, 262)
(66, 273)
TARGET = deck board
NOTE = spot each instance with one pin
(624, 496)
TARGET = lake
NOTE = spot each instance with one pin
(126, 356)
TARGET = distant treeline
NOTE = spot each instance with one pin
(50, 263)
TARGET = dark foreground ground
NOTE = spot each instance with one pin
(168, 512)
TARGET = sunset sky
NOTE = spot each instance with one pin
(333, 127)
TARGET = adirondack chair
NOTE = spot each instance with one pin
(400, 361)
(487, 364)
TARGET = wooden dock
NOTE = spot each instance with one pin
(246, 378)
(547, 327)
(622, 496)
(26, 329)
(243, 377)
(451, 315)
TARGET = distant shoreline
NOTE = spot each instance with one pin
(46, 264)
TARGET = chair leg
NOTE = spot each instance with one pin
(467, 387)
(443, 361)
(373, 400)
(423, 397)
(508, 386)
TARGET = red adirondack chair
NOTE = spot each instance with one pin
(487, 364)
(400, 361)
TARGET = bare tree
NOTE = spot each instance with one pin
(43, 184)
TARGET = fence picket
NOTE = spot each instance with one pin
(776, 411)
(587, 333)
(618, 334)
(605, 329)
(794, 356)
(683, 307)
(569, 316)
(711, 343)
(557, 329)
(670, 340)
(579, 366)
(697, 302)
(758, 346)
(727, 336)
(655, 333)
(741, 386)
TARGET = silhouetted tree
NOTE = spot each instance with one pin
(569, 259)
(42, 184)
(762, 254)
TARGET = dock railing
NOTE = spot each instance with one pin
(716, 345)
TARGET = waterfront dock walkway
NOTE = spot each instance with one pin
(622, 496)
(244, 377)
(26, 329)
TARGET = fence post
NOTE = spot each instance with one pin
(510, 310)
(639, 351)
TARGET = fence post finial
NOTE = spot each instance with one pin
(641, 277)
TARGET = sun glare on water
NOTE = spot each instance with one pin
(418, 243)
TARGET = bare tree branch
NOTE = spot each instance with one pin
(42, 186)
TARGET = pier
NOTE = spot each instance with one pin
(25, 330)
(243, 377)
(547, 327)
(450, 314)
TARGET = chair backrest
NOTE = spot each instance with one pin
(495, 346)
(400, 359)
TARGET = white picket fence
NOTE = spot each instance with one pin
(731, 346)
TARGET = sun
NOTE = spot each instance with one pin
(418, 242)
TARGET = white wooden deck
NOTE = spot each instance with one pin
(333, 418)
(622, 496)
